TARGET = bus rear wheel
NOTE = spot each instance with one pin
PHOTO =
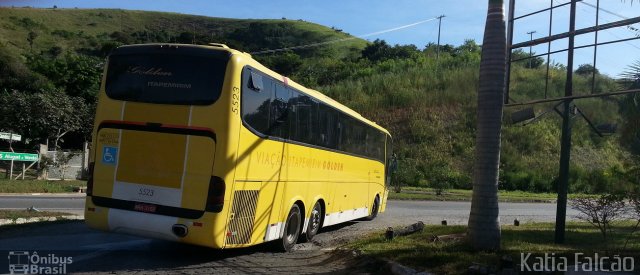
(374, 209)
(291, 229)
(315, 221)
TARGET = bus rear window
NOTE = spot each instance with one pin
(165, 78)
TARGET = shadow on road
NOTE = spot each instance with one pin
(98, 252)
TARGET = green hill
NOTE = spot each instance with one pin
(53, 57)
(87, 29)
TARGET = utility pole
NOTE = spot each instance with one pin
(439, 25)
(530, 53)
(193, 33)
(565, 143)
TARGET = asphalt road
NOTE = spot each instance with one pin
(99, 252)
(397, 211)
(69, 203)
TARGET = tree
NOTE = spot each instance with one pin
(530, 63)
(377, 51)
(31, 37)
(55, 51)
(586, 69)
(107, 47)
(286, 63)
(380, 51)
(42, 116)
(121, 37)
(630, 109)
(432, 48)
(61, 162)
(14, 75)
(484, 226)
(469, 45)
(76, 75)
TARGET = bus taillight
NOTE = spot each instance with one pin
(215, 196)
(90, 179)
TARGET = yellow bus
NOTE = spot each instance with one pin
(204, 145)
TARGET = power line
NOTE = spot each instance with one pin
(343, 39)
(604, 10)
(614, 14)
(610, 12)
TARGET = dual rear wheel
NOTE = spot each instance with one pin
(293, 226)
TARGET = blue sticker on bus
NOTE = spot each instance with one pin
(109, 154)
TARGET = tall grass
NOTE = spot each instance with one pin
(430, 109)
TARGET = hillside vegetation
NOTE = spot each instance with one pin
(52, 57)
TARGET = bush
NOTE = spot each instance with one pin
(601, 212)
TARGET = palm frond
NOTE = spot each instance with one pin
(632, 72)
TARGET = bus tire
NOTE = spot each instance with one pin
(315, 221)
(375, 207)
(291, 229)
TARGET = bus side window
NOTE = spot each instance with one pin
(279, 117)
(345, 142)
(294, 112)
(303, 107)
(315, 134)
(328, 126)
(374, 144)
(256, 103)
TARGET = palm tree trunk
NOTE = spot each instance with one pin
(484, 222)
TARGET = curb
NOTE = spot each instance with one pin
(39, 219)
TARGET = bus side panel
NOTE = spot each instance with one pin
(258, 168)
(297, 180)
(227, 117)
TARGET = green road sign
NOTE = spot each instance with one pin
(18, 156)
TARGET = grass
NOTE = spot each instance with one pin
(39, 186)
(17, 214)
(421, 193)
(455, 255)
(86, 27)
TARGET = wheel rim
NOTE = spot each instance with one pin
(315, 218)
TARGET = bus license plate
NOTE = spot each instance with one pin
(149, 208)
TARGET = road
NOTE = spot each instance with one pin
(99, 252)
(69, 203)
(397, 211)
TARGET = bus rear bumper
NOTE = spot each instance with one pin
(142, 224)
(155, 226)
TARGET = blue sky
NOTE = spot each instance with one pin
(464, 20)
